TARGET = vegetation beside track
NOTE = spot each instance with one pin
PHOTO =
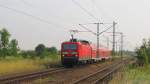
(133, 75)
(139, 74)
(19, 65)
(14, 60)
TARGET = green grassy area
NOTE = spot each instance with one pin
(17, 65)
(130, 75)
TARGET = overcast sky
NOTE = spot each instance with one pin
(48, 21)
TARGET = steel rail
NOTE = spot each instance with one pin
(90, 75)
(106, 74)
(29, 76)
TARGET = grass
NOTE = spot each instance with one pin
(18, 65)
(138, 75)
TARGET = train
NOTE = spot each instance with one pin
(81, 51)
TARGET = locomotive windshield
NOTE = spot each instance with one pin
(70, 46)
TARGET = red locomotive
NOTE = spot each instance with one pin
(73, 52)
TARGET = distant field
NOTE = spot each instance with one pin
(16, 65)
(139, 75)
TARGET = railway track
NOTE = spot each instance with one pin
(29, 77)
(89, 74)
(84, 75)
(101, 74)
(104, 75)
(100, 77)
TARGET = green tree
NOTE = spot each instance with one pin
(0, 45)
(40, 50)
(28, 54)
(5, 35)
(52, 50)
(143, 53)
(13, 46)
(0, 41)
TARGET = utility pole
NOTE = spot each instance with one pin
(121, 45)
(116, 49)
(108, 42)
(97, 53)
(113, 47)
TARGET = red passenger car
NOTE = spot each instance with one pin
(75, 51)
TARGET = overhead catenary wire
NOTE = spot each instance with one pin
(90, 15)
(100, 10)
(94, 32)
(106, 30)
(30, 15)
(85, 10)
(87, 29)
(97, 34)
(94, 8)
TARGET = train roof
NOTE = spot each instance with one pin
(85, 42)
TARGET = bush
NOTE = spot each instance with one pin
(143, 53)
(28, 54)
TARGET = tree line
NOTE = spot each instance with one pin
(7, 47)
(10, 48)
(143, 52)
(40, 51)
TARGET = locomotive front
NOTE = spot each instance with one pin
(69, 53)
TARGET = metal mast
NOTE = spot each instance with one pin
(97, 40)
(113, 47)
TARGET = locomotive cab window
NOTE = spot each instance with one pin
(69, 46)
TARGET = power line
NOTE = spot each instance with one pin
(34, 17)
(85, 10)
(89, 12)
(94, 8)
(103, 12)
(87, 29)
(105, 30)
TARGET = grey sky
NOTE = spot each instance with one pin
(132, 17)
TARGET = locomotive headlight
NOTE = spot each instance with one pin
(65, 53)
(73, 52)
